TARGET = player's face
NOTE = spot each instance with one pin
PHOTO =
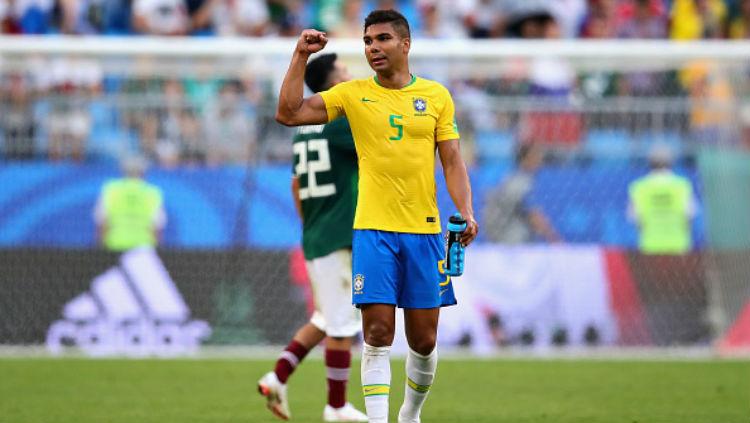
(385, 49)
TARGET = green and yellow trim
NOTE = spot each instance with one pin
(413, 80)
(375, 390)
(417, 387)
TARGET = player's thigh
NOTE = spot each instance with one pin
(376, 267)
(331, 280)
(425, 283)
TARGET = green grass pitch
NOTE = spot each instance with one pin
(481, 391)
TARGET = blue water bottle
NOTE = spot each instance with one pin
(454, 260)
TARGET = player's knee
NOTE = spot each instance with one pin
(423, 344)
(378, 334)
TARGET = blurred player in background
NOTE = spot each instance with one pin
(398, 121)
(130, 211)
(511, 213)
(325, 192)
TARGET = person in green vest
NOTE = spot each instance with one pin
(663, 205)
(130, 211)
(324, 187)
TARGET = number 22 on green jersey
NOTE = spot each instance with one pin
(313, 168)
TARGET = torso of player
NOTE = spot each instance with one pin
(325, 164)
(395, 132)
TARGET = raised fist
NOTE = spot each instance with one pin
(311, 41)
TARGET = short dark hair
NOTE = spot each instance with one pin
(318, 70)
(399, 22)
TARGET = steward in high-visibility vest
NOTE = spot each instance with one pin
(663, 205)
(130, 211)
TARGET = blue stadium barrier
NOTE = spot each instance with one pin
(44, 204)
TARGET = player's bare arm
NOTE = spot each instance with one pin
(457, 182)
(293, 108)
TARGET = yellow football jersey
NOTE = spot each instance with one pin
(395, 133)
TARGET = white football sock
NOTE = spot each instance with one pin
(376, 381)
(420, 372)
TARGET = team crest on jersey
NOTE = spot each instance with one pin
(420, 105)
(359, 283)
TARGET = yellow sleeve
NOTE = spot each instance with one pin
(334, 99)
(446, 124)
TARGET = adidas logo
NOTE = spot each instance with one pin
(132, 309)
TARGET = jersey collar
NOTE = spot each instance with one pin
(377, 81)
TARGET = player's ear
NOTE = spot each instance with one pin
(407, 45)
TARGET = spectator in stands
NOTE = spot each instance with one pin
(288, 16)
(552, 81)
(161, 17)
(739, 26)
(117, 17)
(82, 16)
(485, 20)
(130, 211)
(551, 76)
(712, 105)
(350, 22)
(241, 17)
(200, 14)
(230, 131)
(27, 16)
(449, 20)
(327, 14)
(601, 20)
(475, 112)
(642, 19)
(512, 212)
(192, 137)
(431, 18)
(8, 19)
(663, 205)
(698, 19)
(149, 135)
(170, 148)
(69, 123)
(528, 21)
(569, 14)
(17, 117)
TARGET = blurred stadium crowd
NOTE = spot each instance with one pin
(677, 19)
(74, 109)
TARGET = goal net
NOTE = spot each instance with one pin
(562, 260)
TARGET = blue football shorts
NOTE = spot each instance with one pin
(403, 269)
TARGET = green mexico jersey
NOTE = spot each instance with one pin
(325, 164)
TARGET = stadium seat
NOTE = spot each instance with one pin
(609, 144)
(673, 140)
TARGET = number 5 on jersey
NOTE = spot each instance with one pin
(399, 127)
(313, 167)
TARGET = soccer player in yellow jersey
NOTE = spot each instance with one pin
(398, 121)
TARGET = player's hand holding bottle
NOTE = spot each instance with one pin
(454, 247)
